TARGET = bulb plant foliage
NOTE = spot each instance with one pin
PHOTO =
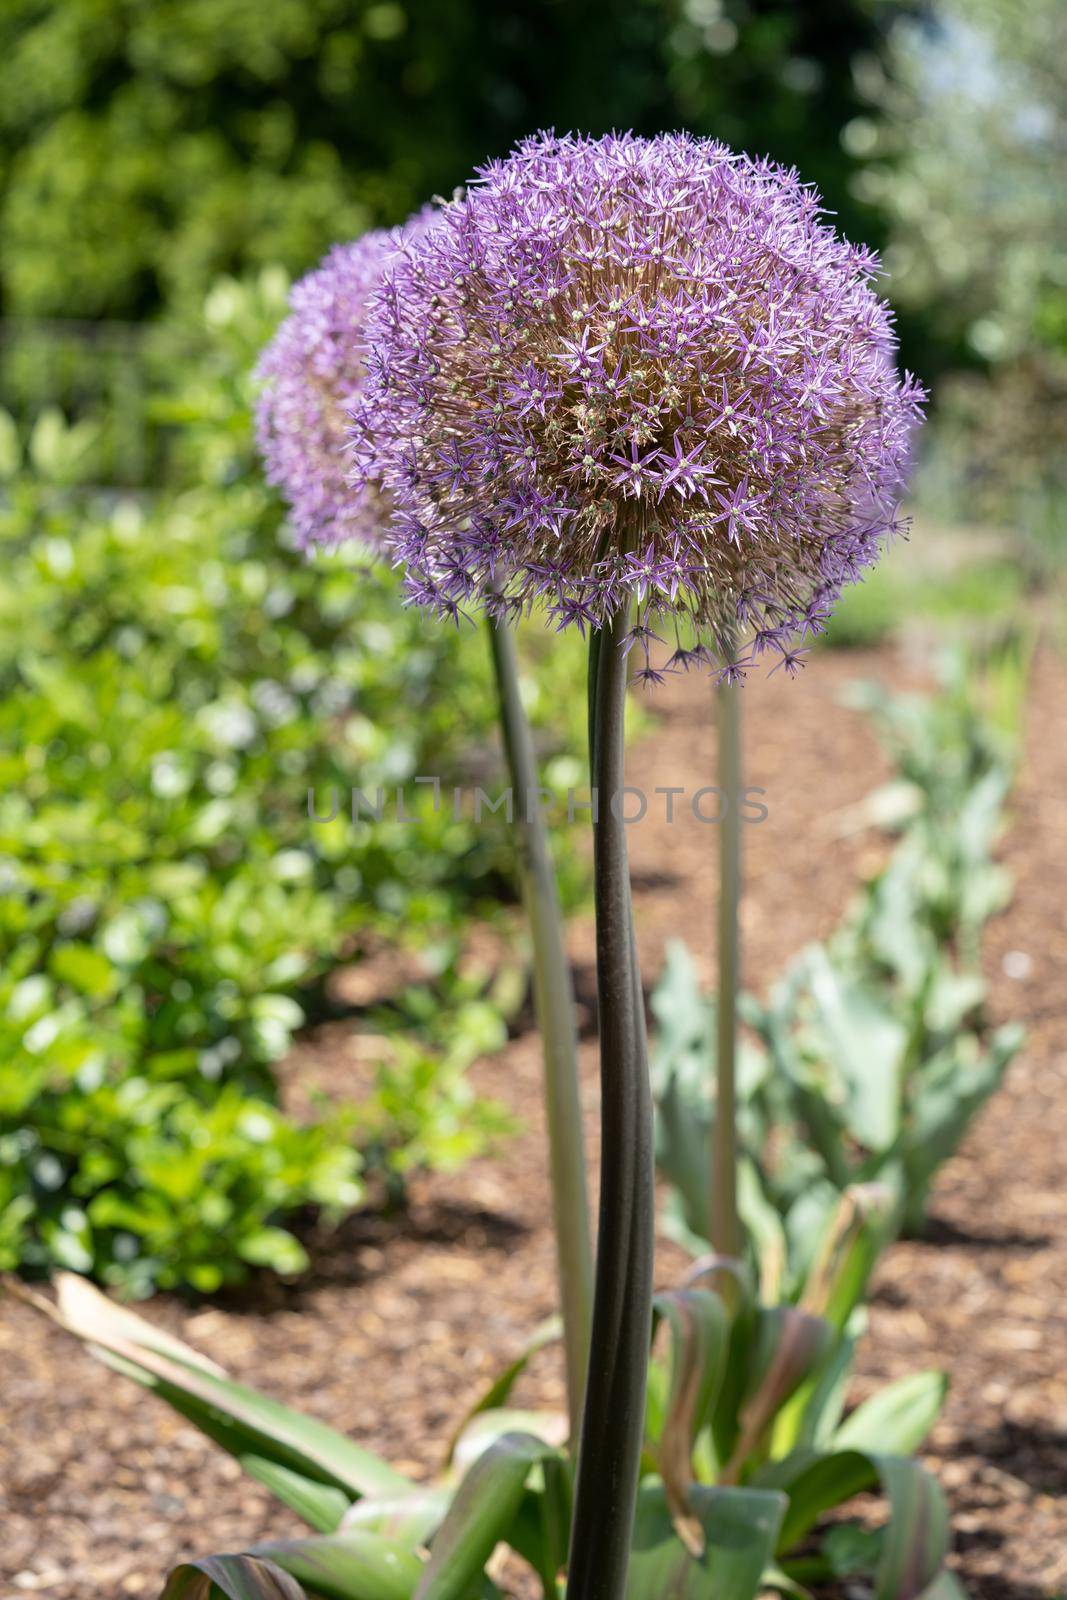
(870, 1057)
(746, 1445)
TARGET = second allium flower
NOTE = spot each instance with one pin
(312, 374)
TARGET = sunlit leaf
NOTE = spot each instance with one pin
(352, 1565)
(480, 1516)
(847, 1251)
(915, 1540)
(699, 1333)
(485, 1427)
(236, 1577)
(897, 1419)
(499, 1390)
(790, 1346)
(252, 1427)
(739, 1528)
(409, 1519)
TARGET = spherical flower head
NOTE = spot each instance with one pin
(636, 369)
(312, 374)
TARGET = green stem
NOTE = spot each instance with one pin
(725, 1226)
(554, 1002)
(613, 1424)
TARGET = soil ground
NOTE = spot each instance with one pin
(403, 1319)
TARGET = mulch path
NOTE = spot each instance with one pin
(404, 1318)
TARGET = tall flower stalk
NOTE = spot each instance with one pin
(554, 1004)
(726, 1237)
(613, 1425)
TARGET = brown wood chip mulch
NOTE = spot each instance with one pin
(403, 1319)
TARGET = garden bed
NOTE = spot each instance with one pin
(403, 1318)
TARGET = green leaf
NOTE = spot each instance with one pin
(946, 1586)
(699, 1338)
(915, 1540)
(763, 1224)
(816, 1483)
(847, 1251)
(824, 1396)
(84, 969)
(739, 1528)
(898, 1418)
(237, 1577)
(486, 1427)
(275, 1248)
(252, 1427)
(790, 1346)
(353, 1565)
(498, 1391)
(409, 1519)
(322, 1506)
(774, 1578)
(481, 1515)
(866, 1042)
(541, 1529)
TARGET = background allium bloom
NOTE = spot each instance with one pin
(312, 373)
(638, 367)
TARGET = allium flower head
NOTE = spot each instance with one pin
(312, 373)
(628, 367)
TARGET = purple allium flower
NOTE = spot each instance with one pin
(628, 367)
(312, 372)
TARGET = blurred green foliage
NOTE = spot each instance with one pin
(967, 157)
(868, 1060)
(174, 680)
(145, 149)
(969, 596)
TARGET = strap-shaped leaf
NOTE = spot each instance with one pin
(790, 1346)
(540, 1530)
(353, 1565)
(251, 1426)
(852, 1237)
(321, 1505)
(409, 1519)
(500, 1389)
(915, 1541)
(699, 1336)
(236, 1577)
(481, 1515)
(823, 1396)
(897, 1419)
(946, 1586)
(739, 1528)
(816, 1483)
(847, 1251)
(486, 1427)
(728, 1277)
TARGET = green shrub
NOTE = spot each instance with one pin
(144, 149)
(174, 681)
